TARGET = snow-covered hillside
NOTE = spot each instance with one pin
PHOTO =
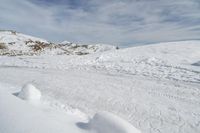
(17, 44)
(154, 87)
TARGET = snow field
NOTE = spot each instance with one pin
(155, 88)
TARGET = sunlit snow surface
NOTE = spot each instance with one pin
(156, 87)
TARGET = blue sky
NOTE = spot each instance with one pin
(118, 22)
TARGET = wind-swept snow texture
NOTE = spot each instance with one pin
(156, 87)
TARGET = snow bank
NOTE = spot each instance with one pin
(29, 92)
(105, 122)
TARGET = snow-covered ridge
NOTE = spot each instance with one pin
(13, 44)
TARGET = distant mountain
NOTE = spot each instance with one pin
(15, 44)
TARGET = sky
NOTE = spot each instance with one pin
(116, 22)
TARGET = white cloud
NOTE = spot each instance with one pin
(113, 21)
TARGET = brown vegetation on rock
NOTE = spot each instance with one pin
(3, 45)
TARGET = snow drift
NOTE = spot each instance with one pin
(105, 122)
(17, 116)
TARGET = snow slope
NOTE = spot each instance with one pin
(155, 87)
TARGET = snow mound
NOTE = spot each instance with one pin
(29, 92)
(105, 122)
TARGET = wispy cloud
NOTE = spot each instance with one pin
(115, 21)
